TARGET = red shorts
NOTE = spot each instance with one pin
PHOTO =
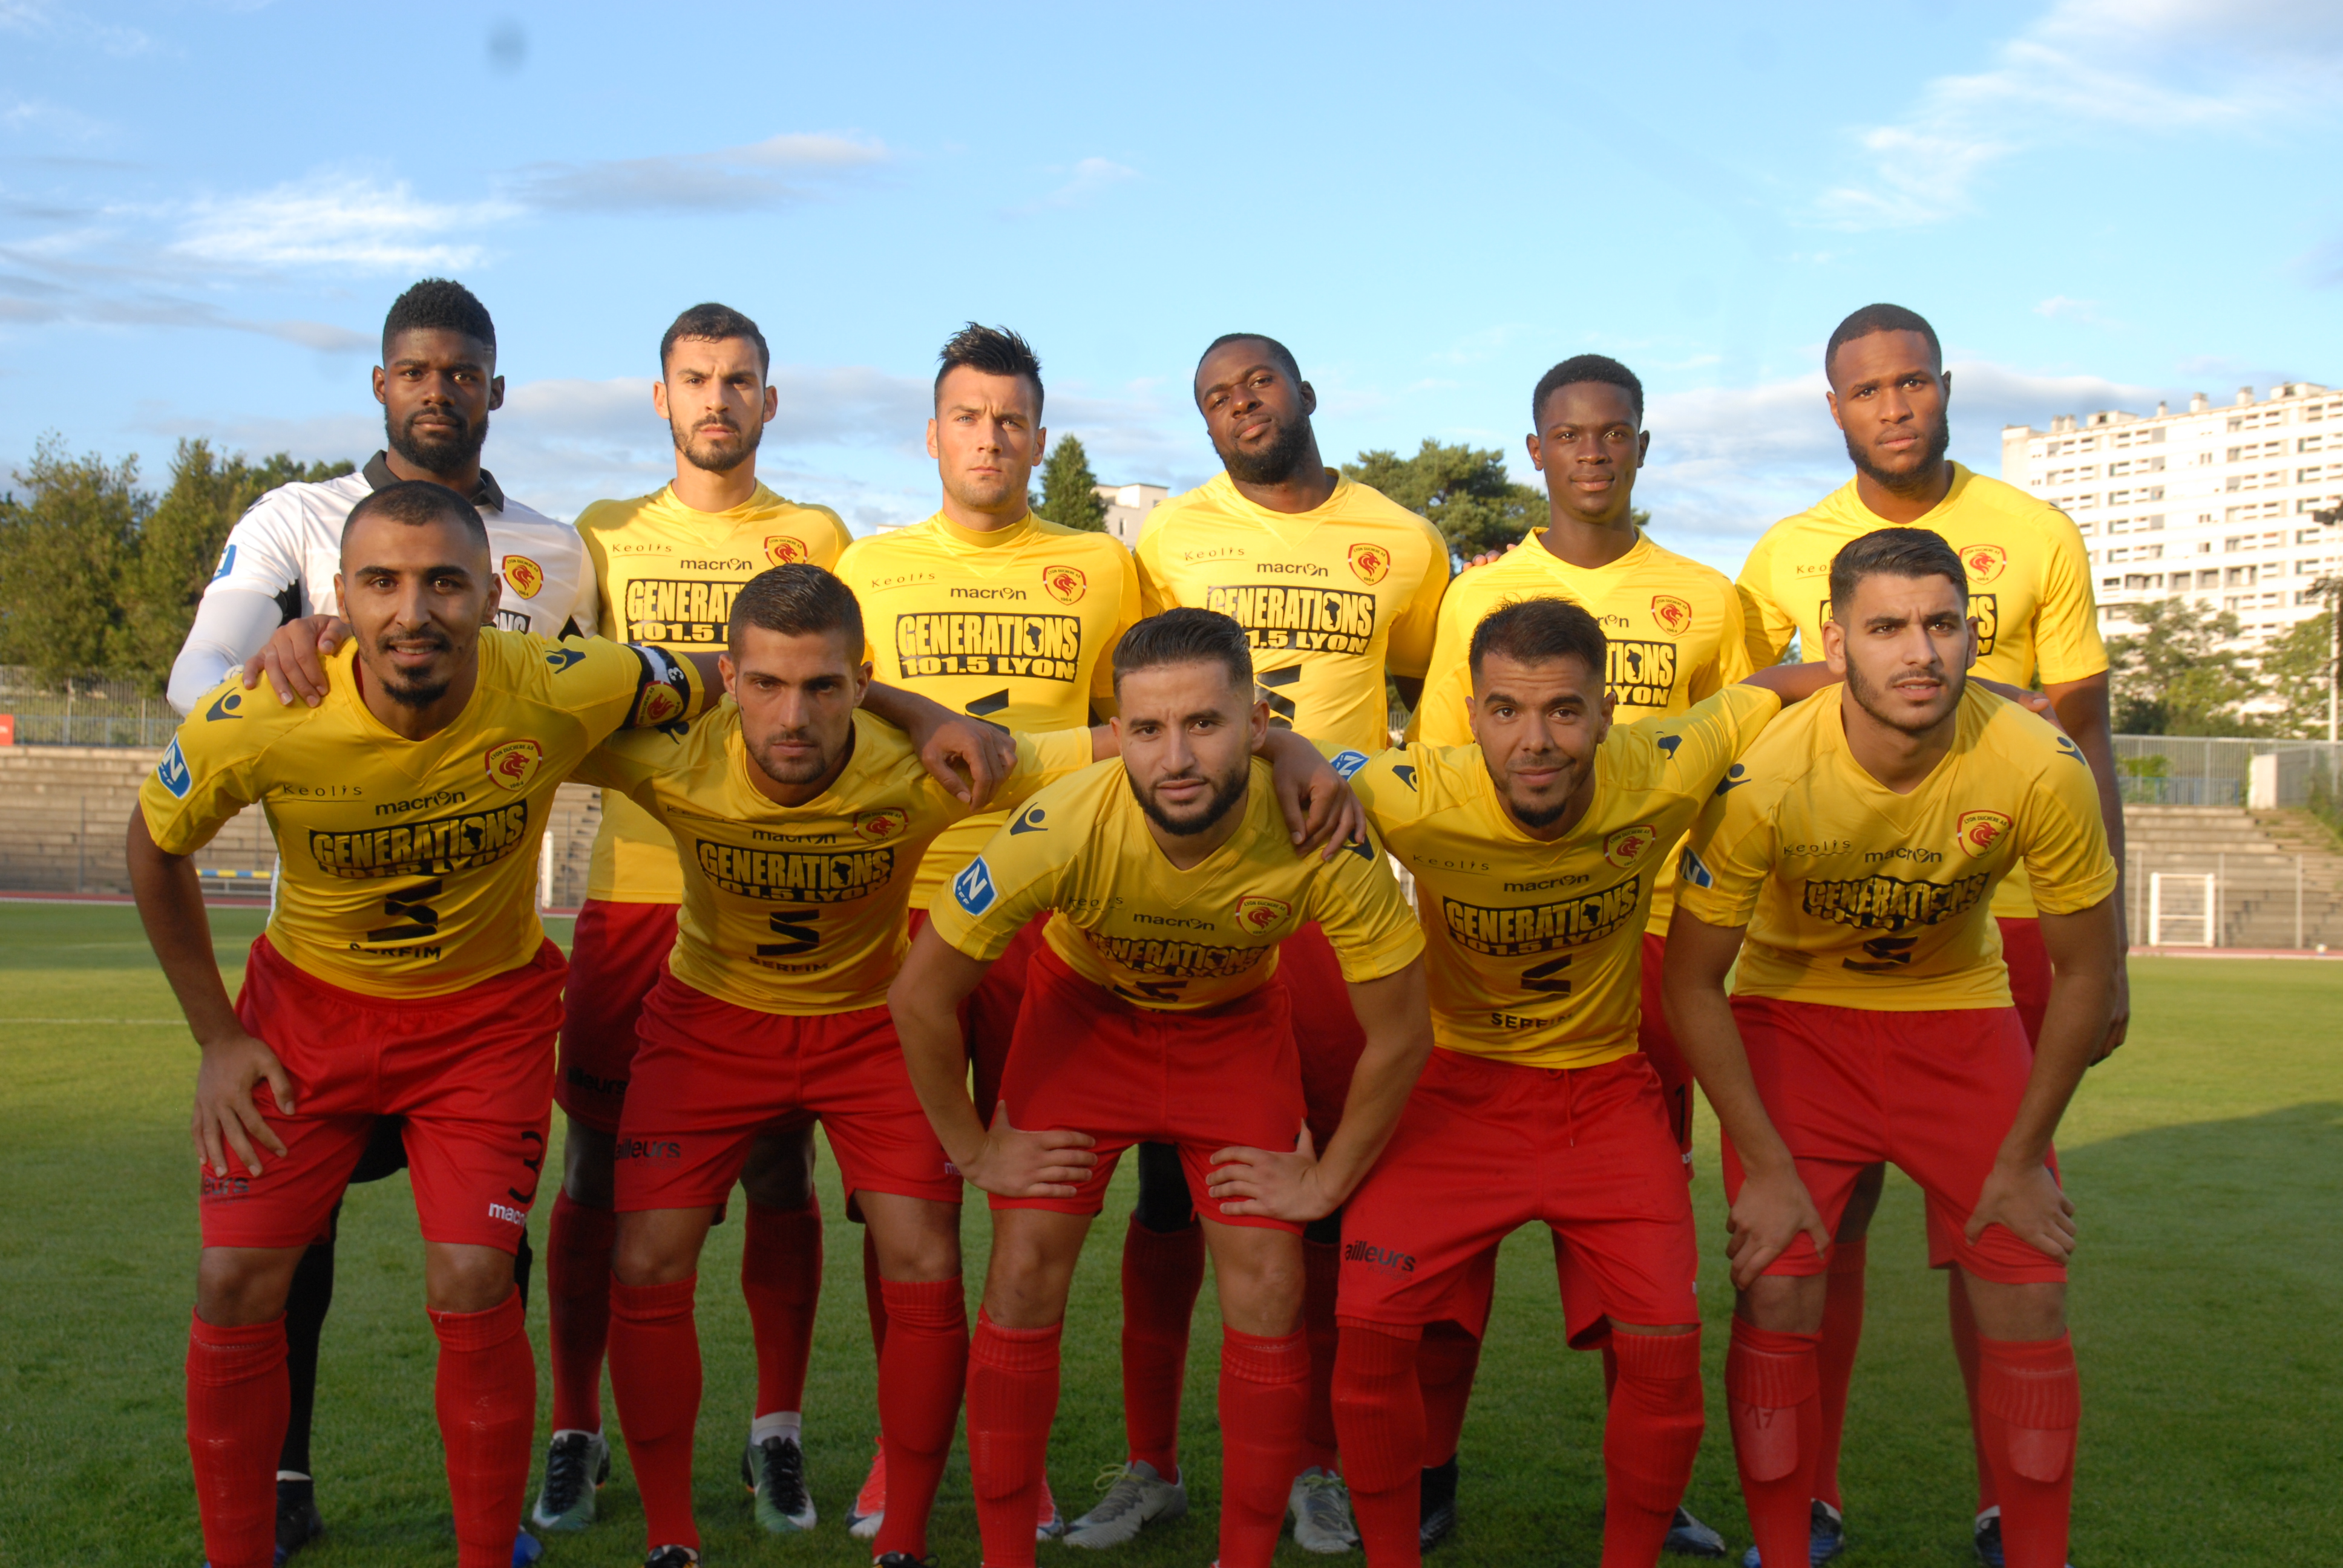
(1658, 1043)
(1326, 1033)
(2029, 972)
(617, 954)
(1487, 1146)
(988, 1018)
(712, 1076)
(471, 1072)
(1086, 1060)
(1934, 1092)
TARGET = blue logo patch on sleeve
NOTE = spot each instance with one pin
(1696, 872)
(173, 773)
(973, 887)
(1348, 762)
(226, 563)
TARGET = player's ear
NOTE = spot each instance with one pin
(728, 670)
(772, 403)
(496, 392)
(1944, 380)
(1834, 646)
(381, 387)
(1309, 398)
(1538, 459)
(495, 597)
(862, 681)
(1041, 441)
(1830, 401)
(1643, 449)
(659, 399)
(931, 437)
(1260, 724)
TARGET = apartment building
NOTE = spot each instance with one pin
(1127, 507)
(2210, 504)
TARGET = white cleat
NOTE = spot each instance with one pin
(1135, 1496)
(1321, 1506)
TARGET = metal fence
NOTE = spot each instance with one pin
(84, 710)
(2206, 771)
(2272, 902)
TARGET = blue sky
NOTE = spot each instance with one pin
(206, 208)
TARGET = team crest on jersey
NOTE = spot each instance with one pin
(1257, 914)
(1983, 562)
(1066, 584)
(513, 763)
(1979, 831)
(525, 576)
(780, 550)
(1370, 563)
(660, 706)
(883, 827)
(1673, 614)
(1629, 845)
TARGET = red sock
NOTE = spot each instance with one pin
(1649, 1440)
(874, 1300)
(1379, 1411)
(1161, 1273)
(1322, 1274)
(1965, 1350)
(2029, 1403)
(1013, 1397)
(921, 1375)
(1264, 1385)
(780, 1277)
(238, 1401)
(1770, 1393)
(1835, 1362)
(1445, 1365)
(487, 1398)
(578, 1244)
(655, 1375)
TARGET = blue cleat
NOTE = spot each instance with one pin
(1826, 1539)
(527, 1548)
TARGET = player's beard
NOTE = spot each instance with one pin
(798, 772)
(1542, 816)
(1868, 698)
(1920, 479)
(1271, 465)
(435, 452)
(1227, 790)
(411, 694)
(711, 457)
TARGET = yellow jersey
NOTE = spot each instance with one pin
(1536, 949)
(1160, 937)
(2030, 589)
(1674, 628)
(1015, 626)
(1333, 599)
(799, 909)
(408, 868)
(1856, 896)
(667, 574)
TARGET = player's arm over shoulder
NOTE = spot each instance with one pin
(612, 686)
(1389, 783)
(1693, 750)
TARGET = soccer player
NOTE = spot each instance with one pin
(1004, 615)
(1871, 1019)
(1337, 588)
(438, 382)
(1673, 637)
(2030, 593)
(1154, 1011)
(403, 973)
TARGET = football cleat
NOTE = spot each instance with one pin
(527, 1548)
(671, 1557)
(1436, 1514)
(1825, 1537)
(1688, 1537)
(575, 1462)
(1136, 1496)
(869, 1509)
(774, 1472)
(298, 1522)
(1988, 1539)
(1049, 1524)
(901, 1560)
(1321, 1506)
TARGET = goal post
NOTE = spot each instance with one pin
(2182, 909)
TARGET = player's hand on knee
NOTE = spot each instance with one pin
(1767, 1217)
(294, 658)
(2029, 1203)
(227, 1118)
(1016, 1164)
(1273, 1185)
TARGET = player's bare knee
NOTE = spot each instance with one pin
(2034, 1309)
(1260, 1276)
(659, 1246)
(1784, 1304)
(461, 1279)
(1031, 1269)
(917, 1240)
(588, 1156)
(239, 1286)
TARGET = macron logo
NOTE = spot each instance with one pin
(973, 887)
(1346, 763)
(1696, 871)
(173, 771)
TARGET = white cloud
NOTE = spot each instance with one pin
(1093, 177)
(348, 222)
(758, 173)
(40, 19)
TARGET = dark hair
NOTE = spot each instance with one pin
(439, 305)
(996, 351)
(798, 599)
(1581, 367)
(417, 503)
(1898, 552)
(1540, 631)
(1874, 319)
(1277, 351)
(1185, 636)
(714, 323)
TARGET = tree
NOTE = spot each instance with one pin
(1463, 489)
(2296, 668)
(68, 548)
(1070, 495)
(2174, 676)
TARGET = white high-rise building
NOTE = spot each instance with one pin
(1127, 507)
(2212, 505)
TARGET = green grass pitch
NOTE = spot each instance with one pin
(2207, 1159)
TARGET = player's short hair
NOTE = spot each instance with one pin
(1277, 351)
(1897, 552)
(1185, 636)
(1540, 631)
(1581, 367)
(996, 351)
(417, 503)
(714, 323)
(439, 305)
(798, 599)
(1874, 319)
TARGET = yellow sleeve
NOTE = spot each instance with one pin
(2066, 844)
(1127, 615)
(1388, 784)
(1732, 661)
(613, 686)
(1154, 593)
(626, 761)
(2067, 645)
(1702, 743)
(203, 781)
(1012, 879)
(1356, 902)
(1766, 626)
(1043, 759)
(847, 572)
(1414, 633)
(1443, 715)
(1728, 858)
(828, 551)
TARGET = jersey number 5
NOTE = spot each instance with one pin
(422, 921)
(796, 926)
